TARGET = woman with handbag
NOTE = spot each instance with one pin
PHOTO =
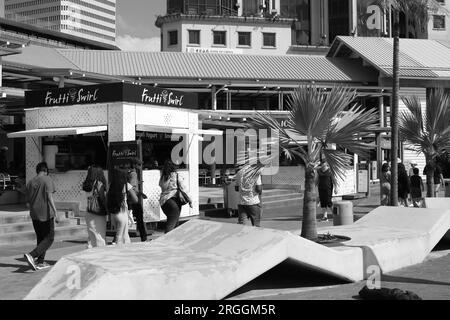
(173, 195)
(95, 187)
(119, 191)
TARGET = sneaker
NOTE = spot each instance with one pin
(324, 219)
(30, 261)
(42, 265)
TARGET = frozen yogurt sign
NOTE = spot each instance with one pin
(74, 96)
(164, 97)
(114, 92)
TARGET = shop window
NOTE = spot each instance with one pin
(269, 40)
(219, 38)
(194, 36)
(173, 38)
(438, 22)
(244, 39)
(78, 152)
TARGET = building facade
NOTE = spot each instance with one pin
(273, 27)
(90, 19)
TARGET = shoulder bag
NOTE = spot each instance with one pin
(93, 201)
(181, 195)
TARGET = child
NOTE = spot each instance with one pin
(416, 188)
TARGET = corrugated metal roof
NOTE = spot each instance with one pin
(378, 51)
(217, 66)
(40, 57)
(419, 58)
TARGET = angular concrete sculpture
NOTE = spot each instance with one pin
(439, 203)
(209, 260)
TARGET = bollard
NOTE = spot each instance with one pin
(447, 187)
(343, 213)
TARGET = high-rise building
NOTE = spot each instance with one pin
(90, 19)
(282, 26)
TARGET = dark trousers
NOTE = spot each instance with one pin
(45, 234)
(252, 212)
(172, 210)
(138, 213)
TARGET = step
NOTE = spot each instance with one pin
(61, 233)
(287, 196)
(216, 213)
(207, 206)
(28, 226)
(282, 203)
(24, 216)
(274, 192)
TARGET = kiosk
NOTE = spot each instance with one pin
(70, 128)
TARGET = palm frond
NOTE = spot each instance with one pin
(350, 125)
(339, 162)
(429, 134)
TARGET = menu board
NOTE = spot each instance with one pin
(120, 153)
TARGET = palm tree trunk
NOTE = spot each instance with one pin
(309, 226)
(430, 178)
(394, 111)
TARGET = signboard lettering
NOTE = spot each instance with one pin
(113, 92)
(165, 97)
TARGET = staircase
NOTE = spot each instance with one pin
(17, 228)
(276, 201)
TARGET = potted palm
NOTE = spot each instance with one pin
(322, 124)
(427, 132)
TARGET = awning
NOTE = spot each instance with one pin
(56, 132)
(149, 128)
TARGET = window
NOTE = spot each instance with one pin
(194, 36)
(269, 40)
(173, 38)
(244, 39)
(439, 22)
(219, 38)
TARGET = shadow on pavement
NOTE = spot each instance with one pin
(21, 268)
(412, 280)
(288, 275)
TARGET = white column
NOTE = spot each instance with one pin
(193, 162)
(33, 145)
(121, 122)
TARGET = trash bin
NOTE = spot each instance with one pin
(447, 187)
(343, 213)
(230, 197)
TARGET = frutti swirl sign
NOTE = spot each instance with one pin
(113, 92)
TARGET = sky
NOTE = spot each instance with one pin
(135, 23)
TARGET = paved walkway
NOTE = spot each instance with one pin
(430, 280)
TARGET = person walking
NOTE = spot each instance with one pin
(403, 185)
(325, 186)
(438, 178)
(385, 181)
(96, 209)
(43, 214)
(118, 192)
(250, 190)
(136, 207)
(416, 188)
(170, 203)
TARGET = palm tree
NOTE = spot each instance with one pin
(321, 118)
(418, 11)
(427, 133)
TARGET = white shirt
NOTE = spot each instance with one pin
(247, 193)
